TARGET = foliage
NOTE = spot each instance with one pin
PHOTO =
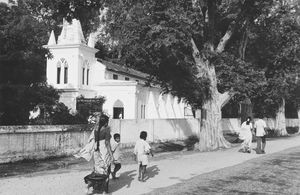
(18, 100)
(191, 141)
(231, 109)
(85, 107)
(52, 12)
(22, 57)
(155, 39)
(22, 65)
(292, 130)
(275, 48)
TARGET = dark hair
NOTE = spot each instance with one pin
(248, 122)
(116, 135)
(143, 135)
(103, 121)
(260, 116)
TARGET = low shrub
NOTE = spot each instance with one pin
(272, 133)
(292, 130)
(191, 141)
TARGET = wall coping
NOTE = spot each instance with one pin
(43, 128)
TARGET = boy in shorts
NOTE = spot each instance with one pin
(115, 147)
(141, 150)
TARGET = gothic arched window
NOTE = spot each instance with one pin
(58, 71)
(85, 72)
(62, 65)
(65, 64)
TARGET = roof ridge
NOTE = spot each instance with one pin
(122, 68)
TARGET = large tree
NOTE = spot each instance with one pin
(275, 47)
(194, 49)
(22, 65)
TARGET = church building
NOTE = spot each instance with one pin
(75, 71)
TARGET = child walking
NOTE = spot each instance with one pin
(141, 150)
(115, 147)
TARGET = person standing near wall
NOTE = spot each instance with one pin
(260, 128)
(245, 134)
(115, 147)
(141, 150)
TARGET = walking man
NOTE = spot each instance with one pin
(260, 128)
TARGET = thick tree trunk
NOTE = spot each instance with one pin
(280, 124)
(211, 135)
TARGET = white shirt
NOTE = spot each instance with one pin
(260, 126)
(245, 131)
(141, 147)
(115, 147)
(246, 127)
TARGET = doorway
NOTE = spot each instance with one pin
(118, 113)
(118, 110)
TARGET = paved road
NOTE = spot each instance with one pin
(162, 173)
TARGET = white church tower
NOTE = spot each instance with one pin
(69, 70)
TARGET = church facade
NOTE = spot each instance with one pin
(75, 71)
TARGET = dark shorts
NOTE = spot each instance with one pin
(263, 138)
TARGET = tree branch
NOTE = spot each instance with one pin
(233, 25)
(224, 40)
(198, 60)
(211, 11)
(225, 97)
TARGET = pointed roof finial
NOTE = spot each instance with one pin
(91, 41)
(52, 40)
(78, 34)
(71, 33)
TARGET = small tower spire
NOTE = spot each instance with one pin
(52, 40)
(71, 33)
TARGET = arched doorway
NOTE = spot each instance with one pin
(118, 110)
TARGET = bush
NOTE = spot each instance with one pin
(191, 141)
(272, 133)
(292, 130)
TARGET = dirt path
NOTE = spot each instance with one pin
(162, 173)
(277, 173)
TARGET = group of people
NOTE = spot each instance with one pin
(106, 154)
(106, 151)
(259, 130)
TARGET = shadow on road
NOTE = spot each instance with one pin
(127, 177)
(124, 180)
(151, 172)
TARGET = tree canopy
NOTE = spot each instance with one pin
(155, 37)
(23, 65)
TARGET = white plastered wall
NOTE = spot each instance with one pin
(122, 91)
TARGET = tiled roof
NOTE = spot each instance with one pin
(122, 69)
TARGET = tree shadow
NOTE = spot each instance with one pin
(151, 172)
(124, 180)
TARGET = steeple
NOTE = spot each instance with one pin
(71, 33)
(52, 40)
